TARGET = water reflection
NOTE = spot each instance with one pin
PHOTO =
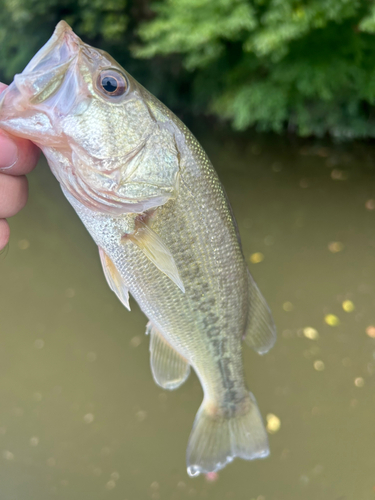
(80, 416)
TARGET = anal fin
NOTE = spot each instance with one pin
(168, 367)
(114, 279)
(154, 248)
(260, 331)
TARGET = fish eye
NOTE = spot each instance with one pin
(112, 83)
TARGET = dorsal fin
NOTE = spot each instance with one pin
(168, 367)
(114, 279)
(260, 331)
(154, 248)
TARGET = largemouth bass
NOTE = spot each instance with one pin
(151, 200)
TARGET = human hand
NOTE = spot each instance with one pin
(17, 158)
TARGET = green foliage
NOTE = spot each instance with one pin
(305, 65)
(25, 25)
(197, 28)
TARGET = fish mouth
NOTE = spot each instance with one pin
(61, 48)
(52, 77)
(48, 66)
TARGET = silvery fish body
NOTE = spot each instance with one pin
(151, 200)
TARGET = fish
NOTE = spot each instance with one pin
(154, 205)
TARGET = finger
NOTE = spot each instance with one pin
(13, 194)
(17, 156)
(4, 233)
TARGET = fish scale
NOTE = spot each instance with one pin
(153, 203)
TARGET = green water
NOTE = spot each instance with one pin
(80, 416)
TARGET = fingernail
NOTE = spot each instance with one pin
(8, 153)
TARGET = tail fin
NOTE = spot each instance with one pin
(216, 439)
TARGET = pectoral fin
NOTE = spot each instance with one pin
(168, 367)
(260, 332)
(153, 247)
(114, 279)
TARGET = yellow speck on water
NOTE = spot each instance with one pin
(370, 331)
(370, 204)
(8, 455)
(310, 333)
(34, 441)
(135, 341)
(332, 320)
(141, 415)
(273, 423)
(110, 485)
(23, 244)
(88, 418)
(256, 257)
(339, 175)
(70, 292)
(335, 246)
(288, 306)
(359, 382)
(319, 365)
(348, 306)
(39, 344)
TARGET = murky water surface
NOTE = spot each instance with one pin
(80, 416)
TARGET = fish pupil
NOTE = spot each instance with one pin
(109, 84)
